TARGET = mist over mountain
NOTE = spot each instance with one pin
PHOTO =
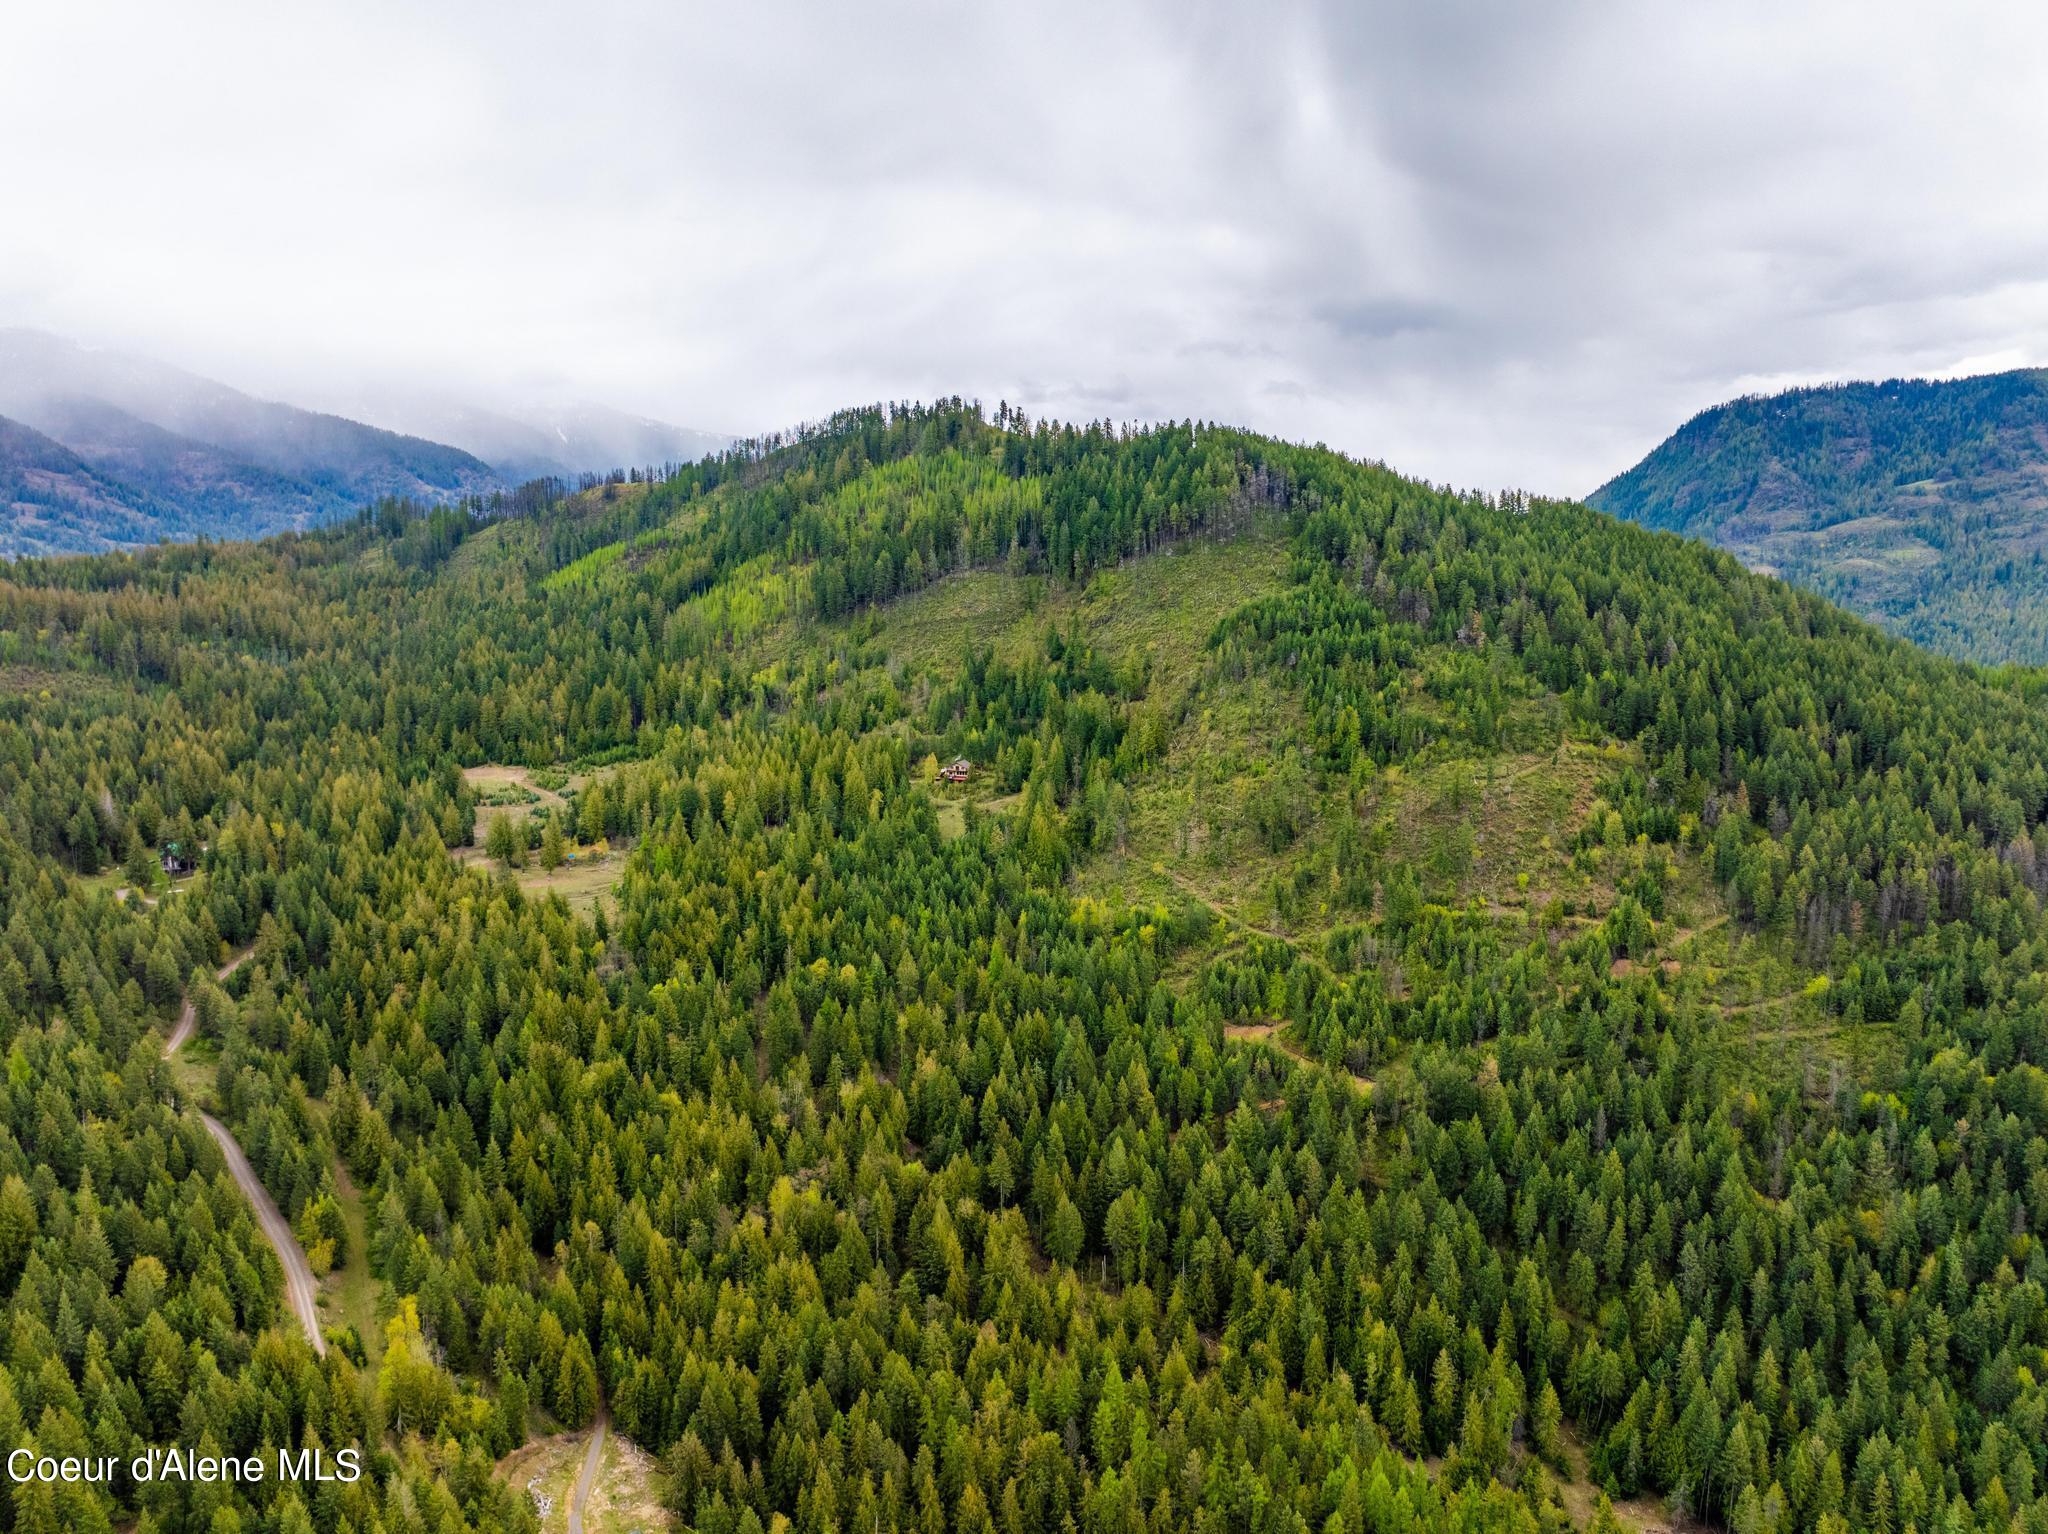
(213, 483)
(164, 453)
(107, 449)
(1922, 505)
(529, 441)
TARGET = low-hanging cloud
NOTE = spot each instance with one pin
(1493, 245)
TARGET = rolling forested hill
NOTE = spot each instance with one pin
(1921, 505)
(1424, 1013)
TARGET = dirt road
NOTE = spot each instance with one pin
(580, 1497)
(188, 1015)
(299, 1287)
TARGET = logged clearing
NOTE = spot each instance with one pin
(624, 1497)
(1476, 826)
(545, 1470)
(1159, 606)
(1238, 816)
(1162, 605)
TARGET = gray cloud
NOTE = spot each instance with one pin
(1490, 244)
(1383, 318)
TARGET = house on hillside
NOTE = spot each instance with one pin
(175, 861)
(957, 771)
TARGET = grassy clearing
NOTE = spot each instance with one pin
(1166, 605)
(983, 607)
(115, 882)
(500, 786)
(582, 883)
(507, 791)
(480, 551)
(193, 1068)
(1189, 834)
(1475, 826)
(950, 802)
(525, 794)
(110, 881)
(527, 787)
(349, 1294)
(1162, 606)
(1581, 1498)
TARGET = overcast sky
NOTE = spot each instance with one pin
(1494, 244)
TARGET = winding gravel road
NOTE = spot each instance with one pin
(299, 1287)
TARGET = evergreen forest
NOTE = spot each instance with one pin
(1427, 1011)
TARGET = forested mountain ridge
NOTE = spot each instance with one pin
(1424, 1005)
(1922, 505)
(171, 456)
(174, 456)
(46, 490)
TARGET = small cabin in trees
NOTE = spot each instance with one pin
(175, 861)
(957, 771)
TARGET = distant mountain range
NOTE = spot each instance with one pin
(100, 449)
(1921, 505)
(49, 494)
